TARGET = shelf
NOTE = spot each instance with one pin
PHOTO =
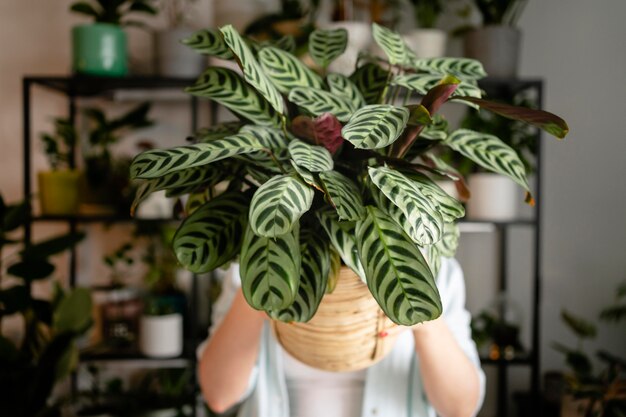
(525, 360)
(108, 355)
(85, 86)
(100, 219)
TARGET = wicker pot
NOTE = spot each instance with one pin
(345, 333)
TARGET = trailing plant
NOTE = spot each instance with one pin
(500, 12)
(58, 146)
(604, 392)
(114, 11)
(47, 352)
(427, 12)
(319, 165)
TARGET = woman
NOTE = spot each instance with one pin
(432, 370)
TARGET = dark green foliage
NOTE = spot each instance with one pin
(58, 146)
(500, 12)
(114, 11)
(427, 12)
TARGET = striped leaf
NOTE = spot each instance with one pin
(433, 257)
(270, 269)
(268, 137)
(383, 203)
(438, 130)
(306, 175)
(375, 126)
(341, 235)
(278, 204)
(212, 235)
(286, 71)
(344, 195)
(326, 45)
(252, 71)
(449, 242)
(421, 213)
(286, 43)
(312, 157)
(205, 175)
(218, 131)
(448, 206)
(156, 163)
(209, 42)
(314, 271)
(464, 68)
(230, 90)
(397, 51)
(422, 83)
(398, 276)
(335, 268)
(318, 102)
(371, 80)
(342, 86)
(195, 201)
(489, 152)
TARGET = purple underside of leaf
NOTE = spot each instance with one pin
(324, 130)
(547, 121)
(438, 95)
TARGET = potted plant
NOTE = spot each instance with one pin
(497, 43)
(173, 59)
(322, 171)
(100, 48)
(44, 351)
(58, 188)
(426, 40)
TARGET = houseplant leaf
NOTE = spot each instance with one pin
(209, 42)
(581, 327)
(342, 86)
(449, 241)
(375, 126)
(324, 130)
(421, 84)
(73, 314)
(278, 204)
(449, 207)
(52, 246)
(433, 258)
(464, 68)
(156, 163)
(217, 131)
(343, 194)
(228, 89)
(270, 137)
(318, 102)
(398, 276)
(286, 71)
(306, 175)
(393, 45)
(270, 269)
(371, 80)
(252, 71)
(420, 211)
(31, 269)
(313, 158)
(326, 45)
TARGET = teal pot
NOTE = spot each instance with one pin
(497, 47)
(99, 49)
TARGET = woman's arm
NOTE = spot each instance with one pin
(227, 360)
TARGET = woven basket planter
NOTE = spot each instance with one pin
(345, 333)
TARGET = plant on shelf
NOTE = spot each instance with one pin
(58, 188)
(100, 48)
(427, 41)
(600, 394)
(321, 171)
(42, 351)
(107, 186)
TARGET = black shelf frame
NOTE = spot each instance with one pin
(74, 88)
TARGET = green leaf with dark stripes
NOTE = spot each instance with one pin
(393, 45)
(278, 204)
(286, 71)
(318, 102)
(433, 257)
(398, 276)
(212, 235)
(287, 43)
(306, 175)
(344, 195)
(326, 45)
(209, 42)
(218, 131)
(230, 90)
(449, 241)
(252, 71)
(489, 152)
(464, 68)
(343, 87)
(157, 163)
(375, 126)
(383, 203)
(269, 137)
(422, 83)
(312, 157)
(270, 269)
(371, 80)
(438, 130)
(335, 269)
(341, 235)
(420, 211)
(448, 206)
(314, 271)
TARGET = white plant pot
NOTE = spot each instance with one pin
(359, 38)
(493, 197)
(427, 43)
(497, 47)
(161, 336)
(449, 187)
(173, 59)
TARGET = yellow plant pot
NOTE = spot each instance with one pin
(345, 333)
(58, 192)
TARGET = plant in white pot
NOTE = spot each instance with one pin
(100, 48)
(497, 42)
(426, 40)
(324, 171)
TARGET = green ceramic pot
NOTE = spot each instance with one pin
(99, 49)
(58, 192)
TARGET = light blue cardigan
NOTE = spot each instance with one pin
(393, 386)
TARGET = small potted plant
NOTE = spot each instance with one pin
(100, 48)
(426, 40)
(321, 171)
(58, 188)
(497, 42)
